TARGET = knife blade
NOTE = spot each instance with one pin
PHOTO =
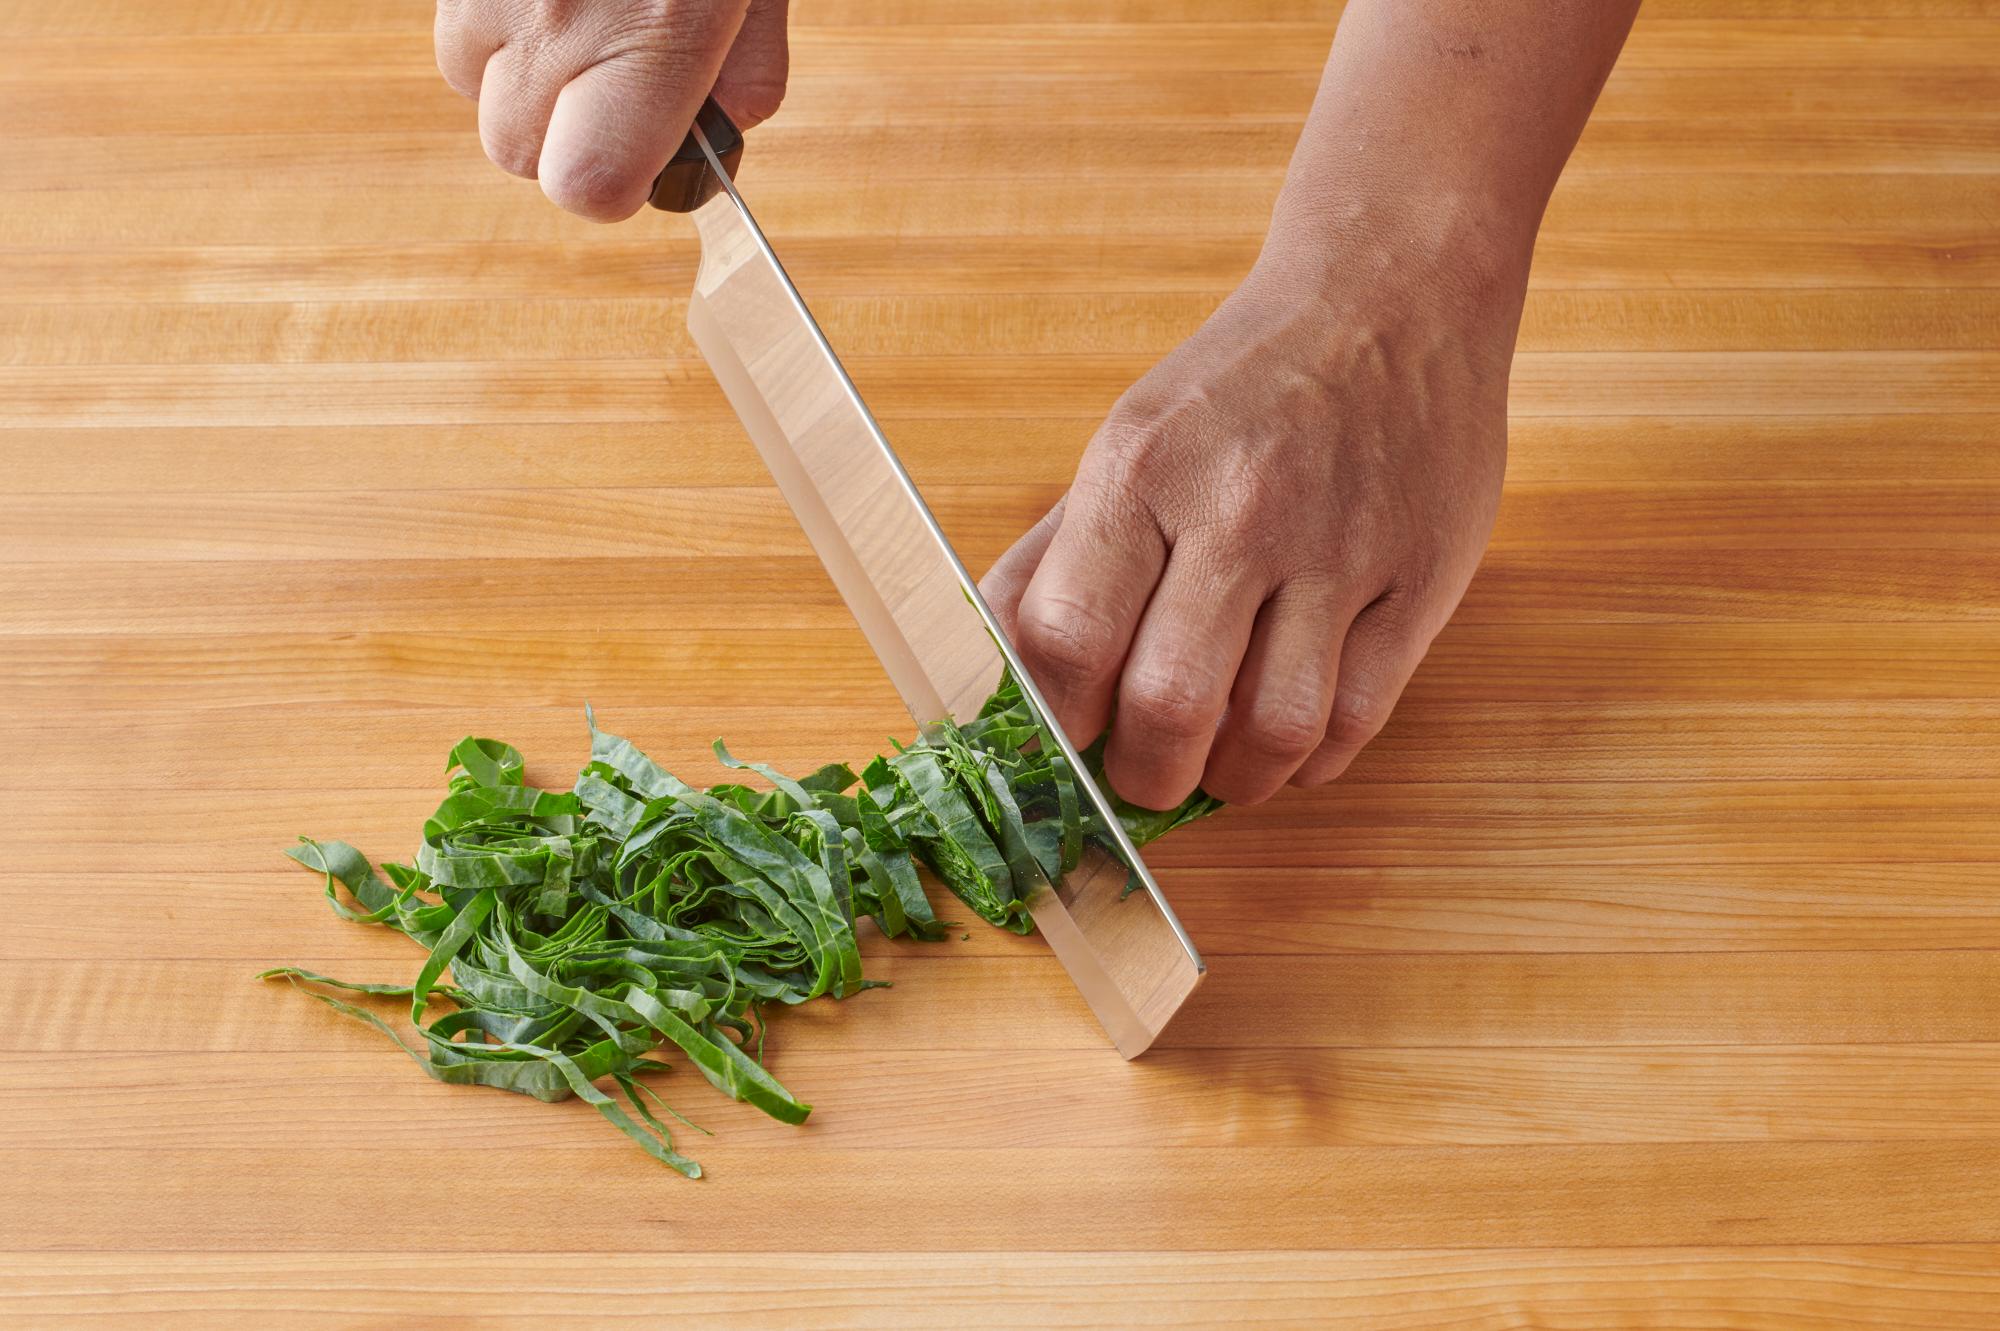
(1107, 921)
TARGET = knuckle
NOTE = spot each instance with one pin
(1138, 452)
(1357, 718)
(1197, 478)
(1126, 433)
(1125, 452)
(1237, 791)
(449, 71)
(1168, 704)
(549, 16)
(1235, 781)
(1146, 790)
(513, 154)
(1068, 638)
(1419, 584)
(591, 186)
(1285, 728)
(1316, 773)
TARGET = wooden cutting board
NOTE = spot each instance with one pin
(1646, 971)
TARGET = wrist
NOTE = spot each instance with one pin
(1434, 249)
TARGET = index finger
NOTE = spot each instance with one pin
(1005, 582)
(1076, 619)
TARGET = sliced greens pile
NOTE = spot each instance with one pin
(585, 931)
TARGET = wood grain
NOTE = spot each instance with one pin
(1432, 741)
(1740, 590)
(1473, 661)
(1820, 1288)
(1039, 450)
(339, 1193)
(1645, 972)
(669, 523)
(1448, 1096)
(1086, 323)
(956, 150)
(1019, 1001)
(1316, 910)
(310, 102)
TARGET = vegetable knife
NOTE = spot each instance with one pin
(1106, 920)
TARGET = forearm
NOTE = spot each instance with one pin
(1438, 133)
(1275, 522)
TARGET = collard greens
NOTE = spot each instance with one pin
(586, 934)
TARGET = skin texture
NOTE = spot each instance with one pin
(591, 97)
(1272, 525)
(1267, 533)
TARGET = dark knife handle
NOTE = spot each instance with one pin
(688, 181)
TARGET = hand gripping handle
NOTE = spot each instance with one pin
(688, 181)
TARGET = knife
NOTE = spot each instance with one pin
(1106, 921)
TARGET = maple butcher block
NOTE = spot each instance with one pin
(1645, 971)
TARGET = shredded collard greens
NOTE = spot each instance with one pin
(583, 932)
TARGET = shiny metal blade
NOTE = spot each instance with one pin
(1125, 950)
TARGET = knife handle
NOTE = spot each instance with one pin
(687, 181)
